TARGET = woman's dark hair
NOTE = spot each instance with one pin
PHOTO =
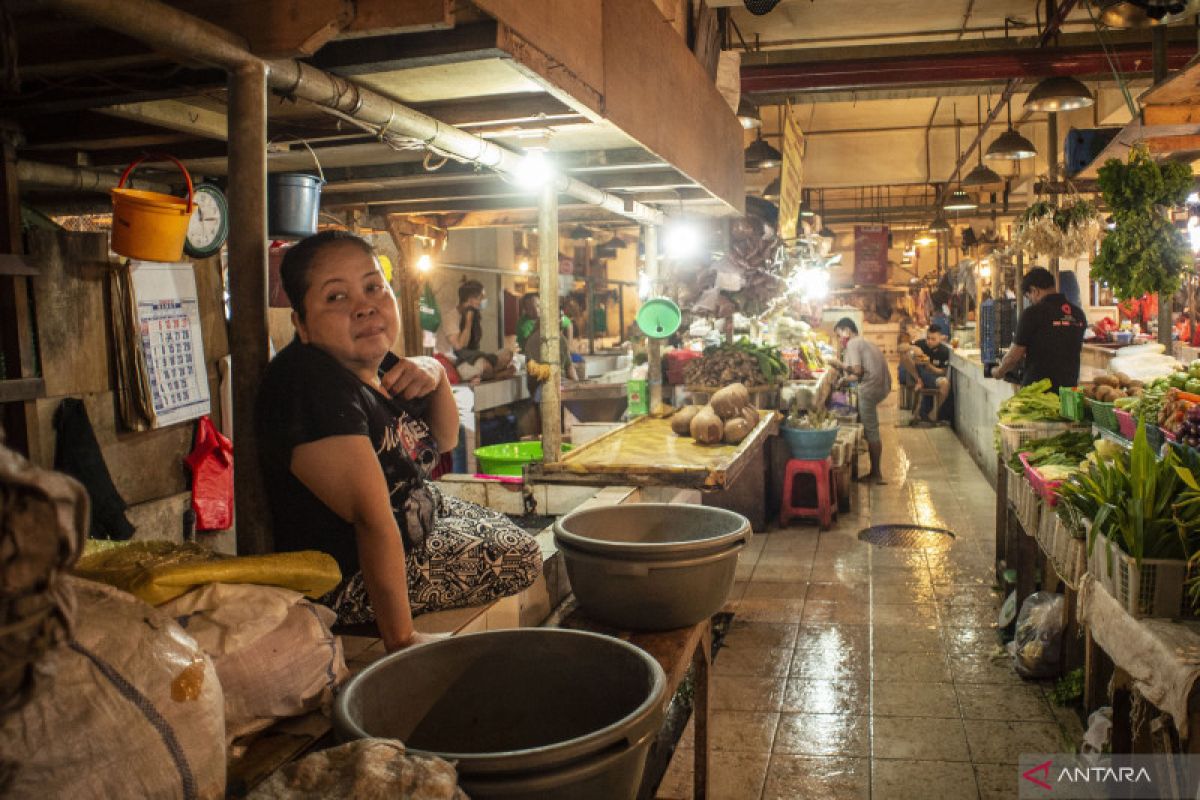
(935, 329)
(847, 324)
(299, 258)
(529, 303)
(469, 289)
(1037, 278)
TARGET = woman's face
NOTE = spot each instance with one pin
(349, 309)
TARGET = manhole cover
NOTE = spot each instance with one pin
(917, 536)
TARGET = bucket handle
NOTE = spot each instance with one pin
(317, 161)
(161, 157)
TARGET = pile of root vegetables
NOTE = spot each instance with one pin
(727, 419)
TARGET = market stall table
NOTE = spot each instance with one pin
(647, 452)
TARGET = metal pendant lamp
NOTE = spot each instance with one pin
(747, 114)
(959, 201)
(761, 155)
(1144, 13)
(981, 174)
(1010, 145)
(772, 191)
(939, 224)
(1060, 93)
(806, 209)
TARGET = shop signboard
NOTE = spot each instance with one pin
(790, 175)
(870, 255)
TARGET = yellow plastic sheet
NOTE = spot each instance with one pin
(159, 571)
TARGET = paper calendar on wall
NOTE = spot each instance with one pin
(168, 315)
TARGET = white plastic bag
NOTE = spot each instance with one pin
(272, 649)
(130, 707)
(1037, 646)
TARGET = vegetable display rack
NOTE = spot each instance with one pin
(1155, 589)
(1104, 416)
(1013, 436)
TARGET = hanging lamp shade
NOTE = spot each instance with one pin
(939, 225)
(747, 114)
(981, 175)
(827, 232)
(925, 238)
(761, 155)
(806, 209)
(1011, 146)
(959, 201)
(1144, 13)
(580, 233)
(772, 191)
(1060, 93)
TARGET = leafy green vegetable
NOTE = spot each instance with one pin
(1065, 449)
(1068, 689)
(1144, 253)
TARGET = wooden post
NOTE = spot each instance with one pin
(654, 346)
(1052, 157)
(1158, 55)
(18, 421)
(249, 333)
(551, 330)
(702, 664)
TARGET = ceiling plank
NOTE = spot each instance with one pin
(174, 115)
(276, 28)
(1167, 145)
(389, 16)
(164, 85)
(1171, 115)
(375, 54)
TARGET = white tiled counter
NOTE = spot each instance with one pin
(976, 403)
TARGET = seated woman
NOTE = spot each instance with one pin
(346, 462)
(530, 314)
(475, 365)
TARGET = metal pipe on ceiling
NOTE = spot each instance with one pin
(184, 35)
(80, 179)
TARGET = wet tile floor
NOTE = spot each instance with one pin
(853, 671)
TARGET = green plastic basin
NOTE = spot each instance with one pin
(509, 458)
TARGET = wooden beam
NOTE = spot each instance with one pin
(174, 115)
(527, 218)
(21, 389)
(277, 28)
(16, 320)
(184, 83)
(509, 108)
(379, 16)
(1182, 88)
(1165, 145)
(375, 54)
(1171, 115)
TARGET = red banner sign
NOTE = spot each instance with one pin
(870, 255)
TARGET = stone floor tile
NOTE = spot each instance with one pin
(1003, 741)
(906, 639)
(904, 614)
(904, 699)
(776, 590)
(816, 612)
(997, 781)
(920, 780)
(1003, 702)
(833, 637)
(902, 593)
(832, 664)
(743, 731)
(968, 616)
(849, 593)
(917, 738)
(978, 641)
(762, 609)
(760, 634)
(928, 667)
(756, 661)
(676, 784)
(744, 693)
(813, 696)
(978, 667)
(786, 573)
(901, 575)
(737, 776)
(792, 777)
(823, 735)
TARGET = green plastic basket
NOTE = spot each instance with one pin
(1154, 437)
(1104, 416)
(509, 459)
(1071, 404)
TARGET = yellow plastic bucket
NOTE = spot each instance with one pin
(150, 226)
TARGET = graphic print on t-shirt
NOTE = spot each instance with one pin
(409, 441)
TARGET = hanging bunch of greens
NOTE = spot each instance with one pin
(1144, 253)
(1067, 232)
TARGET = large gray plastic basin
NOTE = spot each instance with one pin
(651, 566)
(531, 713)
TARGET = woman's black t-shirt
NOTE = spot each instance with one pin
(306, 395)
(476, 327)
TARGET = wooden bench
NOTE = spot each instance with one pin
(675, 651)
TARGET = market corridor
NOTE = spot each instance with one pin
(854, 671)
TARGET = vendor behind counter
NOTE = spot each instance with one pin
(1049, 334)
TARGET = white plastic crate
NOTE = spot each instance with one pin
(1029, 507)
(1013, 436)
(1015, 479)
(1156, 589)
(1045, 530)
(1067, 553)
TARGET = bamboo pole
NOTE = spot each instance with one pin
(654, 346)
(551, 330)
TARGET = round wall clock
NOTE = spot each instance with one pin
(209, 224)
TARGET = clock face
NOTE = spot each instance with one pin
(210, 221)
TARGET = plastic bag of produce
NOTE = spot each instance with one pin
(1037, 646)
(130, 707)
(272, 649)
(367, 769)
(158, 571)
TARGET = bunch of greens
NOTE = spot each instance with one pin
(1070, 231)
(1144, 253)
(1069, 688)
(1066, 449)
(1034, 403)
(1130, 500)
(1187, 514)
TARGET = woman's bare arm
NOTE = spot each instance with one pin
(344, 473)
(443, 416)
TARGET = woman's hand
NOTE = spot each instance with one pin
(417, 639)
(413, 377)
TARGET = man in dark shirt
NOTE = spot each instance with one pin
(929, 362)
(1049, 334)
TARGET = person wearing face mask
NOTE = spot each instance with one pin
(475, 365)
(1049, 335)
(346, 462)
(864, 363)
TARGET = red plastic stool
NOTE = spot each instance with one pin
(822, 472)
